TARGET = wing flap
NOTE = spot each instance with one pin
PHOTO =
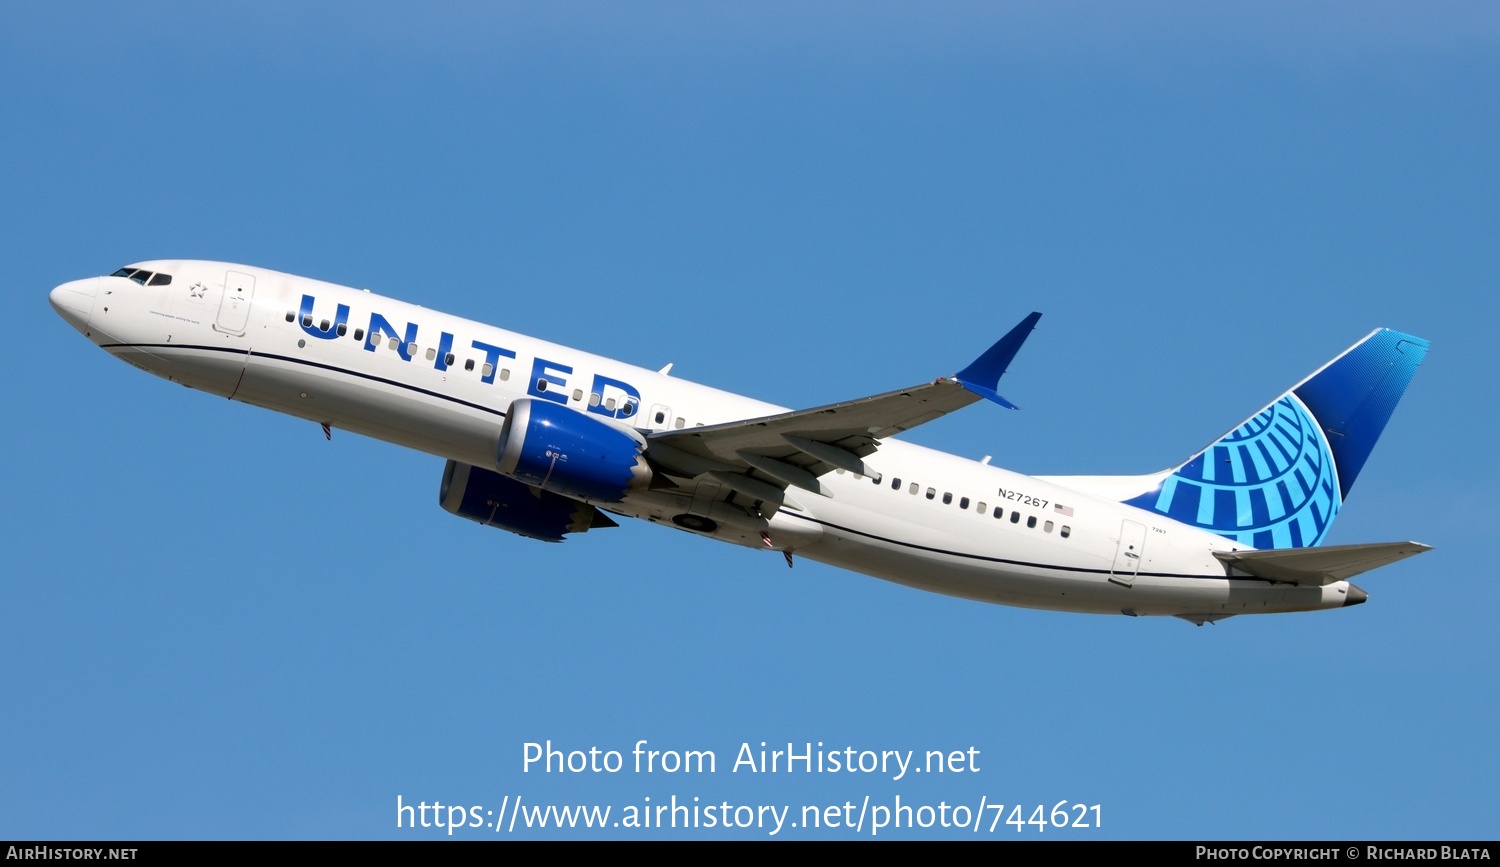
(853, 425)
(1319, 566)
(791, 449)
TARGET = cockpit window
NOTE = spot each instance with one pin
(144, 277)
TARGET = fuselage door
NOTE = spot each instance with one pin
(1128, 554)
(234, 307)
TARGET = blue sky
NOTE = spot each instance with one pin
(215, 624)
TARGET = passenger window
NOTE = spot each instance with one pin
(628, 409)
(914, 488)
(947, 498)
(469, 364)
(964, 503)
(661, 417)
(411, 349)
(359, 334)
(1065, 532)
(610, 404)
(594, 399)
(1015, 517)
(979, 508)
(488, 371)
(999, 513)
(448, 360)
(504, 374)
(343, 329)
(541, 384)
(395, 341)
(1031, 522)
(1047, 527)
(895, 484)
(307, 320)
(931, 492)
(431, 354)
(578, 394)
(680, 422)
(291, 316)
(324, 326)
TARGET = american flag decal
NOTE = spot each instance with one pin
(1063, 510)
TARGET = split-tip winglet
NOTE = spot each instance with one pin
(982, 376)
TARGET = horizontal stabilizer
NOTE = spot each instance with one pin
(1319, 566)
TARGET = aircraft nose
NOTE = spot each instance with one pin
(74, 301)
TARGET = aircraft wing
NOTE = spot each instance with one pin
(1319, 566)
(761, 457)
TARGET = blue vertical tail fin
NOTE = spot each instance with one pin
(1279, 478)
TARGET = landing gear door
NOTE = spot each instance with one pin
(704, 495)
(1128, 554)
(234, 307)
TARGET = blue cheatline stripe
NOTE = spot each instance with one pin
(982, 558)
(304, 362)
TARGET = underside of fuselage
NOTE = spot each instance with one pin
(1063, 589)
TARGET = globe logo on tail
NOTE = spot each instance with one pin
(1270, 483)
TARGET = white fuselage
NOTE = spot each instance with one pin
(928, 522)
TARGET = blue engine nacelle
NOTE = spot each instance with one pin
(496, 501)
(570, 453)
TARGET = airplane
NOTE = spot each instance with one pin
(544, 441)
